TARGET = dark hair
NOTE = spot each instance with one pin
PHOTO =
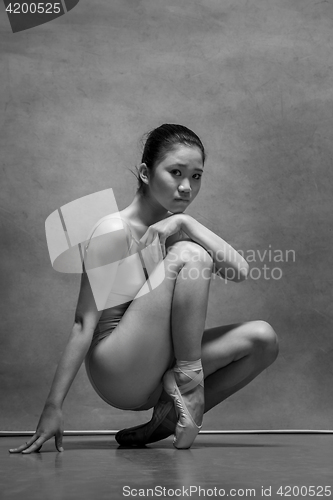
(160, 141)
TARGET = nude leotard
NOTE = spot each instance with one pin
(123, 296)
(111, 316)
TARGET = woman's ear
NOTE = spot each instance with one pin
(143, 173)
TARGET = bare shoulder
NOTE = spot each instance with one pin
(109, 241)
(109, 223)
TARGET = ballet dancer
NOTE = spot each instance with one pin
(151, 350)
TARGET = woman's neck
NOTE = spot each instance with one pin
(144, 210)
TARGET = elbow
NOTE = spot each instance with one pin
(243, 271)
(78, 323)
(81, 329)
(236, 274)
(84, 321)
(240, 273)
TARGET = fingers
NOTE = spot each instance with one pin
(34, 444)
(145, 238)
(146, 242)
(24, 446)
(158, 246)
(58, 441)
(155, 243)
(161, 248)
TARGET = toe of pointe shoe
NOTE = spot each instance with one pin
(185, 437)
(186, 429)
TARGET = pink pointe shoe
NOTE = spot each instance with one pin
(186, 428)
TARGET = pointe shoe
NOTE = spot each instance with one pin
(140, 435)
(186, 428)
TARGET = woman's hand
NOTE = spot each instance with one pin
(50, 424)
(163, 229)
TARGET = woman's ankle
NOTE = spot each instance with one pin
(183, 370)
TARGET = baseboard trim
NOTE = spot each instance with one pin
(204, 432)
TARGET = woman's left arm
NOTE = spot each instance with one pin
(228, 262)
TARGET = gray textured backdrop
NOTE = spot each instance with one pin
(254, 79)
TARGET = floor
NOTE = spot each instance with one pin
(95, 467)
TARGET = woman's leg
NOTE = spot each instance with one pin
(168, 322)
(232, 356)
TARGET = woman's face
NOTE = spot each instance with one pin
(176, 180)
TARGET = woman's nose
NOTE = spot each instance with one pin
(184, 187)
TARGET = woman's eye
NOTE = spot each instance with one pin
(197, 177)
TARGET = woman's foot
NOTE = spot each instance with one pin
(184, 383)
(161, 426)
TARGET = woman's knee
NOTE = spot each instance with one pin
(265, 342)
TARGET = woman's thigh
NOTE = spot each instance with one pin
(224, 344)
(128, 365)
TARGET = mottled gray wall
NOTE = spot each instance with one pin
(254, 79)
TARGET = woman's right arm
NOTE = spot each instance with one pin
(109, 245)
(51, 423)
